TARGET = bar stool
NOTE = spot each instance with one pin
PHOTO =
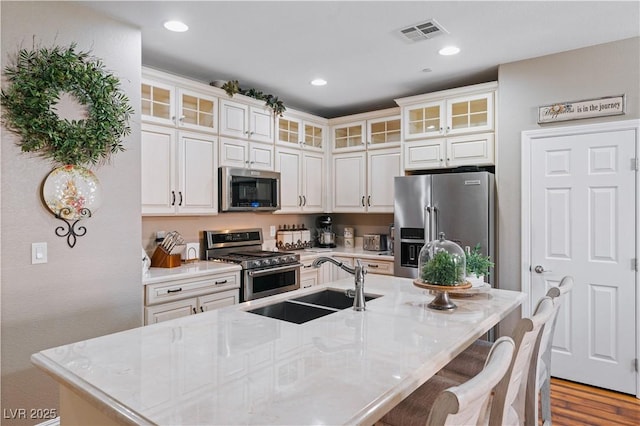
(441, 401)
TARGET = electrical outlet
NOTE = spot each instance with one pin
(272, 230)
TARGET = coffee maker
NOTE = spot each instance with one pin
(324, 232)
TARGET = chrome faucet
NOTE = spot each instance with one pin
(357, 271)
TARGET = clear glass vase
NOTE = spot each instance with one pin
(442, 262)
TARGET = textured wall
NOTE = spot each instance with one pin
(592, 72)
(94, 288)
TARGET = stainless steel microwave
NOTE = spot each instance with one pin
(248, 190)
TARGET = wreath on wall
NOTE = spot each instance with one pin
(38, 79)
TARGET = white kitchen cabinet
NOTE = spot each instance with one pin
(294, 131)
(242, 120)
(246, 154)
(302, 180)
(363, 181)
(309, 276)
(449, 112)
(178, 172)
(187, 296)
(377, 129)
(476, 149)
(170, 101)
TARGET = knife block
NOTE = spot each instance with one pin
(162, 259)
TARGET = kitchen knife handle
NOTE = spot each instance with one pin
(173, 198)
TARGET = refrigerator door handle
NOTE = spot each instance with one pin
(436, 226)
(427, 224)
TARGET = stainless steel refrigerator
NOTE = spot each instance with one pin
(459, 204)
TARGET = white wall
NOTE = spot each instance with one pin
(592, 72)
(94, 288)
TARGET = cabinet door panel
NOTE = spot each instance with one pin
(234, 153)
(157, 169)
(349, 182)
(233, 119)
(261, 126)
(218, 300)
(198, 178)
(288, 164)
(470, 150)
(384, 165)
(313, 182)
(261, 156)
(169, 311)
(424, 154)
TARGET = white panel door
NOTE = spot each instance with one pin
(427, 154)
(384, 165)
(582, 223)
(288, 164)
(198, 174)
(261, 124)
(234, 153)
(234, 119)
(349, 182)
(158, 169)
(261, 156)
(313, 182)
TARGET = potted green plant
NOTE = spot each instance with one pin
(478, 265)
(442, 269)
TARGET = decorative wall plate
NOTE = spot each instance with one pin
(69, 191)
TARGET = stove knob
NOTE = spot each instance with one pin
(268, 262)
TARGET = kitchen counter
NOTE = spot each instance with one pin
(228, 366)
(187, 270)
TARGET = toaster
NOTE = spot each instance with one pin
(374, 242)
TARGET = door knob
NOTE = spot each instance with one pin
(540, 269)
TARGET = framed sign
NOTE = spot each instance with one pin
(599, 107)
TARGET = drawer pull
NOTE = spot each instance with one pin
(220, 282)
(177, 290)
(372, 266)
(194, 311)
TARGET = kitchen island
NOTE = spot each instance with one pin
(229, 366)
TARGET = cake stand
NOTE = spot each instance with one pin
(442, 301)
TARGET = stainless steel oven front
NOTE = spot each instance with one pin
(263, 282)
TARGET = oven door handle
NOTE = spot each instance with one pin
(272, 270)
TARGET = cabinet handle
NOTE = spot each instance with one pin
(177, 290)
(369, 201)
(246, 132)
(180, 193)
(251, 133)
(173, 198)
(372, 266)
(304, 200)
(363, 201)
(182, 117)
(299, 200)
(194, 311)
(220, 282)
(201, 309)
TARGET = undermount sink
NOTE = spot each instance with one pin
(336, 299)
(309, 307)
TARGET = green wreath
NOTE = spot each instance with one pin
(38, 79)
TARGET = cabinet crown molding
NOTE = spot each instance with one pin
(466, 90)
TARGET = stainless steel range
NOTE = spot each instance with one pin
(264, 273)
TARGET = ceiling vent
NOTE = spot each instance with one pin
(423, 31)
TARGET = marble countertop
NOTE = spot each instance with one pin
(187, 270)
(228, 366)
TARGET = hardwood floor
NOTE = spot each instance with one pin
(575, 404)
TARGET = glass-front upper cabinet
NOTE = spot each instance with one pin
(349, 135)
(295, 131)
(313, 136)
(424, 120)
(384, 132)
(470, 114)
(198, 111)
(157, 102)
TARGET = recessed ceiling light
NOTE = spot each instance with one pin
(318, 82)
(449, 50)
(427, 70)
(176, 26)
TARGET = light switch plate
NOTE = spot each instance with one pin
(272, 230)
(38, 253)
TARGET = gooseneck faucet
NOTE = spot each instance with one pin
(357, 271)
